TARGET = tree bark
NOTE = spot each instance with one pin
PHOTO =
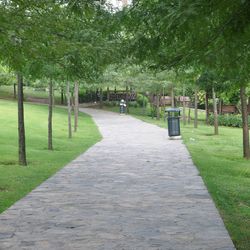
(144, 104)
(21, 127)
(127, 101)
(76, 106)
(14, 90)
(189, 112)
(172, 96)
(50, 143)
(69, 111)
(158, 106)
(246, 150)
(216, 128)
(206, 108)
(108, 94)
(62, 96)
(184, 106)
(196, 108)
(101, 98)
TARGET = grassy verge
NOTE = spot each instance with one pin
(6, 92)
(16, 181)
(224, 171)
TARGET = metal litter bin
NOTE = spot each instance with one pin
(173, 115)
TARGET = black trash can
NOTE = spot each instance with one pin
(173, 115)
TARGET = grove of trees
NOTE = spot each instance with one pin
(151, 46)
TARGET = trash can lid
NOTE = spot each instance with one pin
(172, 110)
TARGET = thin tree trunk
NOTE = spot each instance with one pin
(62, 96)
(158, 106)
(195, 108)
(184, 106)
(76, 107)
(246, 150)
(220, 107)
(69, 111)
(189, 112)
(21, 127)
(206, 108)
(172, 96)
(144, 104)
(108, 94)
(14, 90)
(127, 100)
(50, 144)
(101, 98)
(216, 127)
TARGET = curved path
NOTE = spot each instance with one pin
(134, 190)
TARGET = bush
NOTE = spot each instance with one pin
(140, 99)
(133, 104)
(228, 120)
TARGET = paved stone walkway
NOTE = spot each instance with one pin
(134, 190)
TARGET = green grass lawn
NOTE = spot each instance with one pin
(17, 181)
(6, 92)
(224, 171)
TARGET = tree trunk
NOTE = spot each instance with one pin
(216, 128)
(220, 107)
(50, 144)
(62, 96)
(172, 96)
(76, 107)
(127, 101)
(195, 108)
(184, 106)
(144, 104)
(206, 108)
(14, 90)
(21, 127)
(246, 150)
(157, 106)
(69, 111)
(108, 94)
(101, 98)
(189, 112)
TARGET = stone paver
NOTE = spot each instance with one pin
(134, 190)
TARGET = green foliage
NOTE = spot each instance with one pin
(142, 100)
(229, 120)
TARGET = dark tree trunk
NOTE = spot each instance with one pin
(115, 94)
(50, 143)
(62, 96)
(108, 94)
(246, 150)
(14, 90)
(172, 97)
(184, 106)
(101, 98)
(157, 106)
(189, 112)
(96, 95)
(76, 106)
(195, 108)
(144, 105)
(216, 128)
(206, 108)
(69, 111)
(21, 127)
(127, 100)
(220, 107)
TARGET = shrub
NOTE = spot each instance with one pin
(228, 120)
(140, 99)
